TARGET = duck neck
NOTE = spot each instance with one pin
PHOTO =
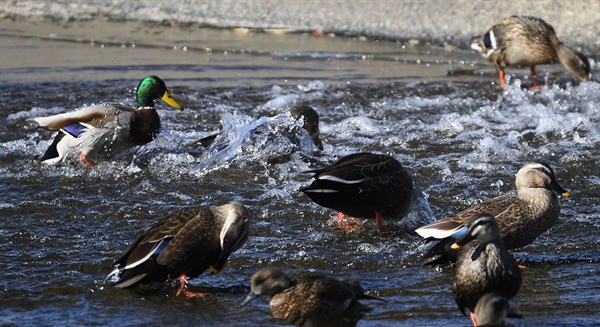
(574, 61)
(540, 200)
(144, 101)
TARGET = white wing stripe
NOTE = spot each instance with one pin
(341, 180)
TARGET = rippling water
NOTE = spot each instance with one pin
(438, 111)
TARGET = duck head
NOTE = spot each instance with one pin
(482, 227)
(539, 175)
(268, 281)
(234, 233)
(152, 88)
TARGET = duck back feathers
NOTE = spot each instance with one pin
(363, 184)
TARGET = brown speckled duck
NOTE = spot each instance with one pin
(528, 41)
(483, 265)
(107, 127)
(521, 218)
(364, 185)
(312, 300)
(183, 245)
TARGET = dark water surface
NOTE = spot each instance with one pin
(438, 111)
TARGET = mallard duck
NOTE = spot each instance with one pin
(483, 265)
(363, 185)
(107, 127)
(183, 245)
(311, 122)
(528, 41)
(312, 300)
(521, 218)
(491, 309)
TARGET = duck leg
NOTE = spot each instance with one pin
(473, 320)
(536, 84)
(379, 220)
(188, 293)
(501, 76)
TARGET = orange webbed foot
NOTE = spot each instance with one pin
(348, 224)
(84, 160)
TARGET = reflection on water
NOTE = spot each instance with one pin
(461, 138)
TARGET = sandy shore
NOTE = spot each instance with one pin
(453, 22)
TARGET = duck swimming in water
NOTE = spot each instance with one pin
(108, 127)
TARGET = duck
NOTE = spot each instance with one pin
(107, 127)
(363, 185)
(310, 120)
(491, 309)
(183, 245)
(518, 41)
(522, 218)
(313, 299)
(483, 265)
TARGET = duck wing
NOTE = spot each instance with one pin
(190, 238)
(455, 225)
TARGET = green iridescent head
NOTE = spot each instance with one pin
(152, 88)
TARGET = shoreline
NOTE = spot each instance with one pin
(429, 21)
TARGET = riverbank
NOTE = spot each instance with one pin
(439, 22)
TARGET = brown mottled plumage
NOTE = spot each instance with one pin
(364, 185)
(312, 300)
(184, 245)
(521, 218)
(483, 265)
(528, 41)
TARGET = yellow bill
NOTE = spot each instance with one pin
(168, 99)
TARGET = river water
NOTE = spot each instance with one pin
(437, 110)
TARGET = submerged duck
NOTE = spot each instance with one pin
(363, 185)
(312, 300)
(528, 41)
(311, 122)
(107, 127)
(521, 218)
(483, 265)
(491, 309)
(184, 245)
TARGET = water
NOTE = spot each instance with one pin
(438, 111)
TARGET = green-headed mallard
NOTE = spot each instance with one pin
(184, 245)
(483, 265)
(521, 218)
(528, 41)
(107, 127)
(363, 185)
(312, 300)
